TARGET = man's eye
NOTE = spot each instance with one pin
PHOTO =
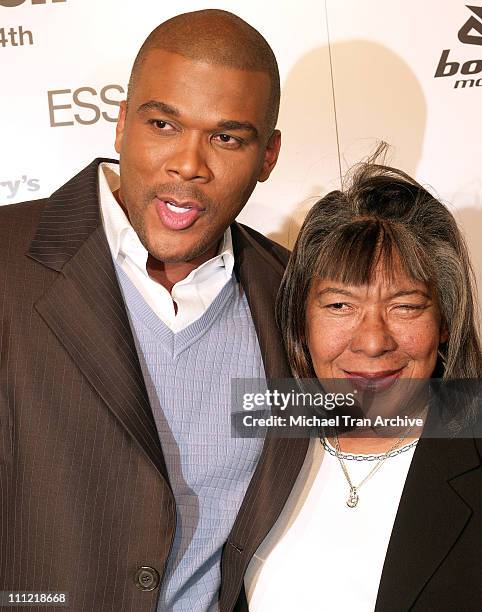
(230, 141)
(159, 124)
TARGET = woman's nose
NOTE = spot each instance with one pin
(372, 336)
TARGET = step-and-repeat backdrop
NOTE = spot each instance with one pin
(353, 72)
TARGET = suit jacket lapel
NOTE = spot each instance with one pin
(281, 459)
(85, 310)
(260, 275)
(434, 509)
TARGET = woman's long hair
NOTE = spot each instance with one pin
(383, 217)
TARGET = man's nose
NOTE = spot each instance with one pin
(373, 336)
(188, 160)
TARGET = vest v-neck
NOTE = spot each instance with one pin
(174, 343)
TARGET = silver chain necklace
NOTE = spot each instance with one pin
(353, 497)
(353, 457)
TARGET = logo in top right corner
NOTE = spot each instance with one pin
(469, 34)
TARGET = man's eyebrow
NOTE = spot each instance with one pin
(225, 124)
(228, 124)
(158, 106)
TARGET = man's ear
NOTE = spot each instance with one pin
(121, 122)
(270, 156)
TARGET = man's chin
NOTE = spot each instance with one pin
(178, 256)
(173, 259)
(185, 250)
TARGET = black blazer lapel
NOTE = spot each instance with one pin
(85, 310)
(434, 509)
(260, 273)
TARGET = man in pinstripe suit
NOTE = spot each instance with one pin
(102, 497)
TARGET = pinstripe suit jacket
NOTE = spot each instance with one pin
(85, 497)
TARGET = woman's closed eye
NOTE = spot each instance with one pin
(409, 309)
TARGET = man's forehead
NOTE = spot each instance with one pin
(183, 83)
(164, 62)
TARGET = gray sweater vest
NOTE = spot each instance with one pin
(188, 378)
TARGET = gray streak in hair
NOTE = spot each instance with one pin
(382, 215)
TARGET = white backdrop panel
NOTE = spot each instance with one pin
(385, 56)
(80, 44)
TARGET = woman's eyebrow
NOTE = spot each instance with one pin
(405, 292)
(401, 293)
(329, 290)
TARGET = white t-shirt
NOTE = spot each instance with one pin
(322, 555)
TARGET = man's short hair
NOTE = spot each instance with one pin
(219, 37)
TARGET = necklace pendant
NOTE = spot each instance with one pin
(353, 498)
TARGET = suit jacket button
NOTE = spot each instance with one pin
(147, 578)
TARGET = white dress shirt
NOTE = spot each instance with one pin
(192, 295)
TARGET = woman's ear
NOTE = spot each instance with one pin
(444, 333)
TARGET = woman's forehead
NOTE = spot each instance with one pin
(398, 283)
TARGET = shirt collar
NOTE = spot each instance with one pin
(124, 242)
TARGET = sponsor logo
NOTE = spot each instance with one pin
(91, 105)
(18, 37)
(15, 37)
(449, 66)
(446, 68)
(10, 189)
(13, 3)
(471, 32)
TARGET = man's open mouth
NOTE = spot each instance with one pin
(176, 215)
